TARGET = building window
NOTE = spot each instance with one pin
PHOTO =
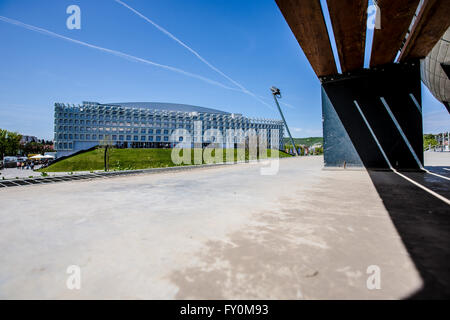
(143, 131)
(158, 138)
(166, 138)
(150, 131)
(166, 131)
(121, 137)
(142, 138)
(158, 131)
(114, 137)
(135, 138)
(150, 138)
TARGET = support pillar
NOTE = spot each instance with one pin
(381, 132)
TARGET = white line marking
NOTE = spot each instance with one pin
(394, 170)
(437, 175)
(373, 135)
(424, 188)
(407, 141)
(401, 133)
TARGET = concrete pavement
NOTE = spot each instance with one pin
(217, 233)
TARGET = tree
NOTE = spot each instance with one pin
(9, 143)
(429, 140)
(37, 147)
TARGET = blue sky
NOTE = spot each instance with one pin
(247, 40)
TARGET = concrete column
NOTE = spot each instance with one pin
(365, 137)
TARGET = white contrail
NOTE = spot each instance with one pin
(280, 102)
(170, 35)
(114, 52)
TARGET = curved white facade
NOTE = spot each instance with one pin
(433, 75)
(150, 125)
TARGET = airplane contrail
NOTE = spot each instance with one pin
(170, 35)
(280, 102)
(114, 52)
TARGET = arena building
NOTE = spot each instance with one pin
(151, 124)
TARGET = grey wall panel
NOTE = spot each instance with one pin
(338, 148)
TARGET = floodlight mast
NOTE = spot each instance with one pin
(276, 93)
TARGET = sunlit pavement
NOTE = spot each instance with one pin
(227, 233)
(14, 173)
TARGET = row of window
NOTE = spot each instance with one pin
(113, 137)
(159, 124)
(141, 117)
(136, 130)
(65, 136)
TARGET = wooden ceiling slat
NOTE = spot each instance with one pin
(305, 18)
(349, 20)
(396, 17)
(432, 22)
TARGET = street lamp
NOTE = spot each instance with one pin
(277, 94)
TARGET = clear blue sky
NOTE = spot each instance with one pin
(248, 40)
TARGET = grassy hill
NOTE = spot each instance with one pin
(122, 159)
(305, 141)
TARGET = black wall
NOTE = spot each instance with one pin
(346, 136)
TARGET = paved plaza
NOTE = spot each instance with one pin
(229, 232)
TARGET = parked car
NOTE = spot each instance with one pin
(10, 162)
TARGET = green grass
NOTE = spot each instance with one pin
(124, 159)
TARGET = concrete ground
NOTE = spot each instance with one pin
(14, 173)
(228, 233)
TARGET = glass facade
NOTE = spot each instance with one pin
(147, 125)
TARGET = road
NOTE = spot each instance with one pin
(215, 233)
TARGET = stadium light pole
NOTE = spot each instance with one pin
(277, 94)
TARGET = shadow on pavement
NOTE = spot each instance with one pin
(442, 170)
(423, 223)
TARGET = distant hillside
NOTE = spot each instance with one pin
(305, 141)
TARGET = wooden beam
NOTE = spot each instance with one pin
(349, 20)
(432, 22)
(305, 18)
(396, 17)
